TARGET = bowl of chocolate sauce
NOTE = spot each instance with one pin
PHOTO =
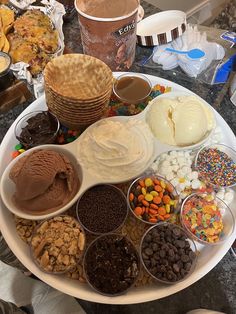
(132, 88)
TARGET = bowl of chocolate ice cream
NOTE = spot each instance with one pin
(42, 182)
(37, 128)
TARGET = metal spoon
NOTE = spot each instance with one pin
(192, 54)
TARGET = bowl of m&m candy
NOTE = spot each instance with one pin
(216, 165)
(207, 218)
(152, 199)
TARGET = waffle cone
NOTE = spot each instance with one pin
(78, 77)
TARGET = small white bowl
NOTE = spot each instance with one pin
(7, 186)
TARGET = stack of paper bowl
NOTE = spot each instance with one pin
(78, 89)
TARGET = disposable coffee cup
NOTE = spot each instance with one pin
(108, 30)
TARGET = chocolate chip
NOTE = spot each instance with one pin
(154, 247)
(192, 255)
(148, 238)
(176, 268)
(187, 266)
(162, 253)
(148, 251)
(168, 251)
(176, 232)
(180, 243)
(145, 256)
(153, 262)
(184, 258)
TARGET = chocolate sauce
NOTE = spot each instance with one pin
(132, 89)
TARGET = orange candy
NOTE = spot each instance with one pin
(157, 200)
(158, 188)
(131, 197)
(161, 211)
(138, 211)
(166, 199)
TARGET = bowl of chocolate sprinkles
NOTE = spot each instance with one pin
(102, 209)
(111, 264)
(167, 253)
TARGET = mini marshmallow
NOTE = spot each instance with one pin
(186, 170)
(180, 173)
(187, 183)
(195, 175)
(181, 160)
(164, 156)
(173, 153)
(165, 163)
(175, 168)
(195, 184)
(170, 176)
(174, 161)
(187, 154)
(154, 167)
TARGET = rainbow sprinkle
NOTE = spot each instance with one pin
(216, 167)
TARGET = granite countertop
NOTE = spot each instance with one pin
(216, 290)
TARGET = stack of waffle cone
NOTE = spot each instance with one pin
(78, 89)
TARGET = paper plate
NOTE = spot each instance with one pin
(161, 28)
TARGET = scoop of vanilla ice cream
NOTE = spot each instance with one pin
(159, 118)
(190, 121)
(180, 121)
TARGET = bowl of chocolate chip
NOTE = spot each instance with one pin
(167, 253)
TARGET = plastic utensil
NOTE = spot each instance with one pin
(193, 53)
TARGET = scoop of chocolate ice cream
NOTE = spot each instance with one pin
(45, 181)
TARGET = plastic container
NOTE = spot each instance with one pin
(212, 172)
(110, 212)
(112, 38)
(134, 268)
(192, 246)
(198, 233)
(34, 234)
(6, 75)
(31, 138)
(137, 85)
(174, 208)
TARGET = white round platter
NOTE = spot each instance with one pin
(208, 258)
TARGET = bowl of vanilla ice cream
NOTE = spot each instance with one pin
(180, 119)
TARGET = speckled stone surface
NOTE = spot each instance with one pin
(214, 291)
